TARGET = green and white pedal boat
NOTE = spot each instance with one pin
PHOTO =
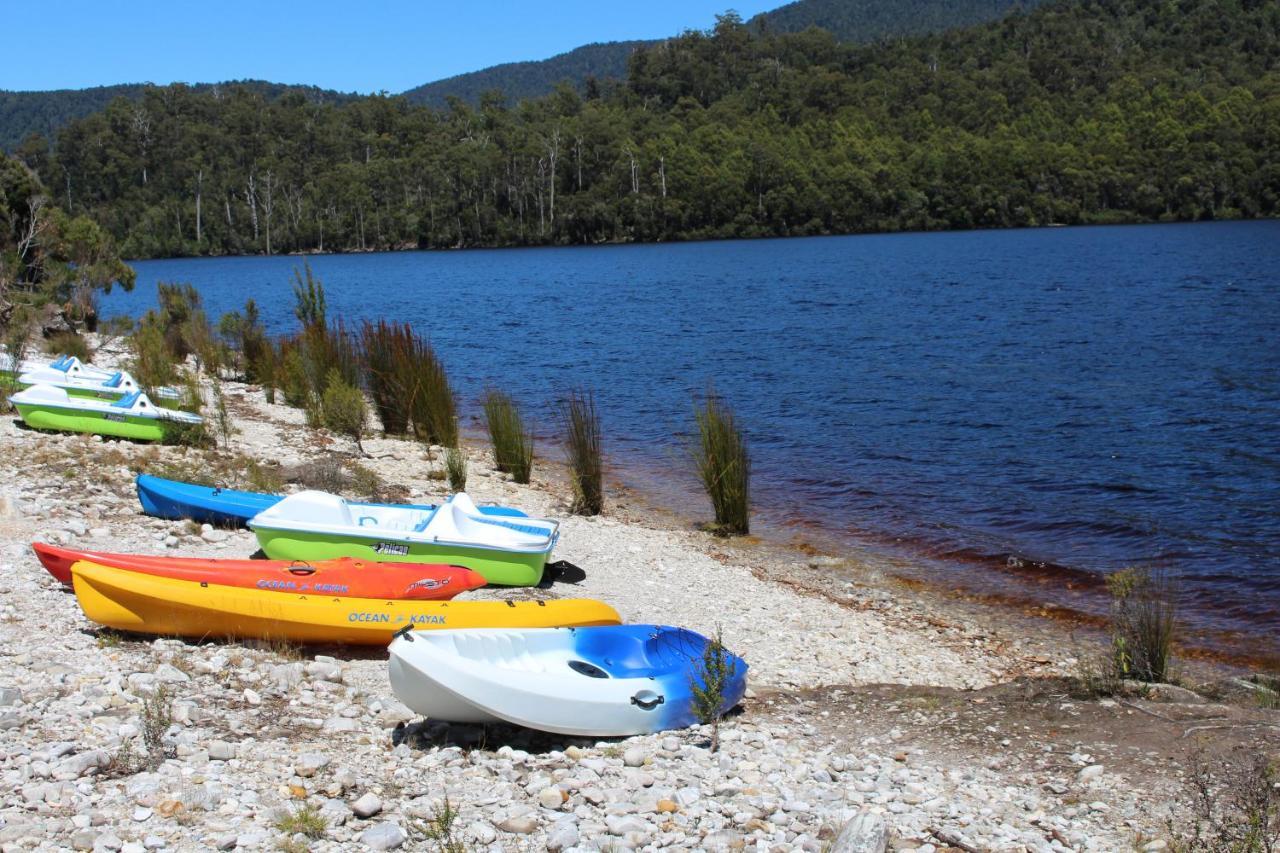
(318, 526)
(132, 416)
(115, 385)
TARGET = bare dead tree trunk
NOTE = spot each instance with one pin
(577, 154)
(662, 174)
(268, 205)
(635, 172)
(199, 188)
(553, 154)
(251, 199)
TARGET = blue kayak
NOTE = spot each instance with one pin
(231, 508)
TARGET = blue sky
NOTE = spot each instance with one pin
(380, 44)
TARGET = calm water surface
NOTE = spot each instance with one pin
(1020, 410)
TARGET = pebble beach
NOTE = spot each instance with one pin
(875, 719)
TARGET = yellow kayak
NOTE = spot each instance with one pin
(150, 604)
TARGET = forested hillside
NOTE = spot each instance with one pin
(1087, 111)
(521, 80)
(45, 113)
(872, 20)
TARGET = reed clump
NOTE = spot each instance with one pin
(455, 467)
(580, 423)
(512, 442)
(724, 466)
(433, 410)
(249, 349)
(385, 349)
(1143, 624)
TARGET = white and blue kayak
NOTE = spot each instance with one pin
(233, 508)
(609, 681)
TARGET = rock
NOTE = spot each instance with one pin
(634, 757)
(83, 840)
(10, 696)
(367, 806)
(220, 750)
(226, 842)
(339, 724)
(688, 796)
(550, 798)
(1089, 774)
(665, 806)
(75, 766)
(563, 835)
(622, 824)
(518, 825)
(153, 842)
(141, 814)
(1172, 693)
(309, 763)
(107, 841)
(864, 833)
(252, 696)
(324, 670)
(213, 535)
(384, 836)
(170, 674)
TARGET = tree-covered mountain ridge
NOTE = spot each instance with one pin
(1082, 111)
(25, 113)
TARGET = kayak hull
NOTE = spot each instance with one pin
(146, 604)
(502, 568)
(592, 682)
(345, 577)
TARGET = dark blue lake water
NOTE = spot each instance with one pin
(1020, 410)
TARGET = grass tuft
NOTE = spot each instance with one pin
(307, 820)
(512, 443)
(724, 466)
(581, 425)
(384, 347)
(455, 467)
(1143, 623)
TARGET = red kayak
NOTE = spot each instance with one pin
(344, 577)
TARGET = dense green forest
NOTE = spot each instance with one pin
(519, 81)
(872, 20)
(852, 21)
(1086, 111)
(45, 113)
(24, 113)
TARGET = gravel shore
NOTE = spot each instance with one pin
(259, 736)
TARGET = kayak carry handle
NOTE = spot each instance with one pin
(298, 567)
(406, 632)
(647, 700)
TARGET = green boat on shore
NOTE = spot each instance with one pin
(318, 526)
(132, 416)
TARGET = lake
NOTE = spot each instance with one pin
(1018, 412)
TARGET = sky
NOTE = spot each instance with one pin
(377, 45)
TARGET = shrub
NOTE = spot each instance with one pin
(264, 478)
(1234, 805)
(181, 318)
(292, 378)
(17, 340)
(248, 340)
(512, 443)
(324, 475)
(157, 717)
(581, 426)
(308, 294)
(724, 466)
(152, 363)
(183, 434)
(221, 417)
(713, 673)
(455, 466)
(1143, 623)
(326, 351)
(343, 410)
(68, 343)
